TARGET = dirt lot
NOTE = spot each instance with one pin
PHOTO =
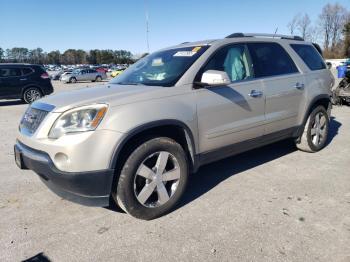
(270, 204)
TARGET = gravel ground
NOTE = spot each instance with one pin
(270, 204)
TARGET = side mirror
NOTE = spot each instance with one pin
(214, 78)
(329, 65)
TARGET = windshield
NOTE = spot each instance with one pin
(162, 68)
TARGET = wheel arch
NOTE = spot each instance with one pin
(323, 100)
(174, 129)
(29, 86)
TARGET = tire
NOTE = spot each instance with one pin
(315, 134)
(98, 79)
(145, 193)
(31, 94)
(72, 80)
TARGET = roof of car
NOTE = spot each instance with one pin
(17, 64)
(240, 36)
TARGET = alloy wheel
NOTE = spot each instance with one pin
(157, 179)
(319, 129)
(31, 95)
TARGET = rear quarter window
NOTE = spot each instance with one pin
(310, 56)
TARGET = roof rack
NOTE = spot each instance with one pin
(290, 37)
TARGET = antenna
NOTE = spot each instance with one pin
(147, 25)
(275, 32)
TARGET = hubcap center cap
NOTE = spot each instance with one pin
(157, 178)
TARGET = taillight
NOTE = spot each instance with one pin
(45, 75)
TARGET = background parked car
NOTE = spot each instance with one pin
(24, 81)
(83, 75)
(65, 72)
(57, 75)
(117, 72)
(101, 70)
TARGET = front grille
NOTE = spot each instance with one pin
(31, 120)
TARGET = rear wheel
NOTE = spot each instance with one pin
(153, 179)
(314, 136)
(98, 79)
(31, 94)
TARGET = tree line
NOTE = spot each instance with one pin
(331, 30)
(68, 57)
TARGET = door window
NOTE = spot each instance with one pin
(270, 59)
(10, 72)
(234, 60)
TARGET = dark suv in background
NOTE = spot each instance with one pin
(24, 81)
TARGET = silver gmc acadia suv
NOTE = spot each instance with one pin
(136, 140)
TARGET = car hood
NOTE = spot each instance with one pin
(112, 94)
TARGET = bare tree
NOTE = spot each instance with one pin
(313, 35)
(332, 21)
(339, 19)
(326, 24)
(292, 25)
(303, 25)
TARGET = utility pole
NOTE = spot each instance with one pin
(147, 26)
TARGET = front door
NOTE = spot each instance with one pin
(233, 113)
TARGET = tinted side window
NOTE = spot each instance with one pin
(234, 60)
(270, 59)
(310, 56)
(10, 72)
(27, 71)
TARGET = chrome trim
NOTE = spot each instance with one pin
(43, 106)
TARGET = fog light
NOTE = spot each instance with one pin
(61, 160)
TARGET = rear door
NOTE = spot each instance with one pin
(283, 85)
(11, 82)
(92, 74)
(231, 113)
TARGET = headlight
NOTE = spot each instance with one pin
(81, 119)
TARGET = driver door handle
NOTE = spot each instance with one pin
(255, 93)
(299, 86)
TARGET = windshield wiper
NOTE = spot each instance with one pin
(129, 83)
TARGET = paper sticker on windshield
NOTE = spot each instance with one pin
(185, 53)
(157, 62)
(196, 49)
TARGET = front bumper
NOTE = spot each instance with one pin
(91, 188)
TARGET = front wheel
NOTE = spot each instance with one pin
(73, 80)
(153, 179)
(98, 79)
(314, 136)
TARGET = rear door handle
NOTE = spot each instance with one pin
(255, 93)
(23, 79)
(299, 86)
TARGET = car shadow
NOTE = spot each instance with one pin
(11, 102)
(232, 95)
(334, 126)
(209, 176)
(41, 257)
